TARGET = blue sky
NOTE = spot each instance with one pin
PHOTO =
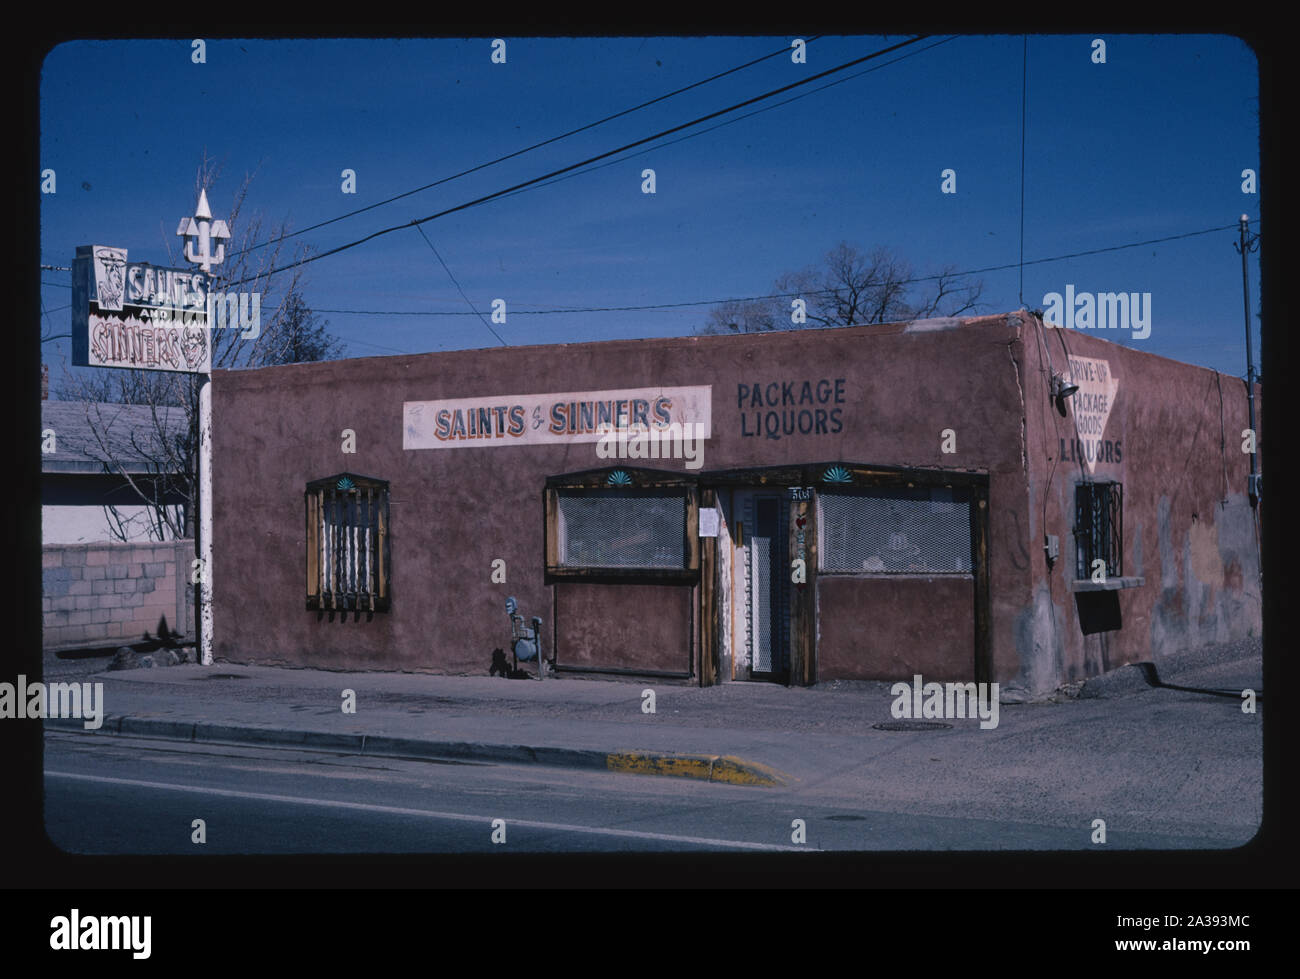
(1150, 144)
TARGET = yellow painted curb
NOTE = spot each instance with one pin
(710, 768)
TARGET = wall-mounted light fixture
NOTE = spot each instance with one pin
(1061, 388)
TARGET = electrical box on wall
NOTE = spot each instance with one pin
(1052, 545)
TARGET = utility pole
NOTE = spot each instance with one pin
(1248, 244)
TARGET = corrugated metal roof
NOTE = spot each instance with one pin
(128, 436)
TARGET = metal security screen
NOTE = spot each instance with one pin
(1099, 528)
(622, 528)
(920, 530)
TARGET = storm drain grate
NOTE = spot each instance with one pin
(226, 676)
(911, 726)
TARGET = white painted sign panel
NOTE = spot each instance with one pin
(137, 316)
(708, 522)
(552, 419)
(1091, 404)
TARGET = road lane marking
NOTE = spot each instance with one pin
(456, 816)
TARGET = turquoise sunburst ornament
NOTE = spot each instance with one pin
(837, 474)
(619, 478)
(346, 484)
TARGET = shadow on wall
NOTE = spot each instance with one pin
(1098, 611)
(342, 615)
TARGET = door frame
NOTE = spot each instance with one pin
(777, 610)
(803, 611)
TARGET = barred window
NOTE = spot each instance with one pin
(1099, 528)
(906, 530)
(347, 544)
(623, 529)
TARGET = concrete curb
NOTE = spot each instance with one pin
(706, 767)
(710, 768)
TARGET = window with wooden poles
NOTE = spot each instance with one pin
(347, 544)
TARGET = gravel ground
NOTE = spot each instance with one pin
(65, 666)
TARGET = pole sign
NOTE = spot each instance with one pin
(138, 316)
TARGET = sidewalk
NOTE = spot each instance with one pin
(738, 733)
(743, 733)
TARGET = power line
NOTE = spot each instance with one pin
(779, 295)
(582, 163)
(526, 149)
(1024, 101)
(729, 122)
(709, 129)
(46, 313)
(733, 299)
(548, 183)
(457, 285)
(710, 302)
(366, 343)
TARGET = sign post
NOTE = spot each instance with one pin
(137, 316)
(204, 543)
(198, 233)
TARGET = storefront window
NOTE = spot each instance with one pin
(622, 529)
(911, 530)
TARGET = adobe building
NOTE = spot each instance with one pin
(969, 499)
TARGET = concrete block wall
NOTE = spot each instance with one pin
(108, 593)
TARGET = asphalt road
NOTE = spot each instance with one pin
(119, 795)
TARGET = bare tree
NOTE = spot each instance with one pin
(171, 443)
(850, 288)
(303, 337)
(745, 316)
